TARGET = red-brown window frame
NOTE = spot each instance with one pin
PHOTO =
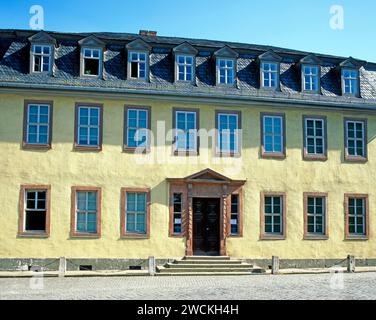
(25, 144)
(306, 155)
(263, 235)
(125, 133)
(77, 146)
(348, 157)
(74, 233)
(309, 236)
(123, 232)
(21, 223)
(272, 155)
(186, 152)
(218, 152)
(183, 191)
(349, 236)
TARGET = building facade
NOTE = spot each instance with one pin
(117, 147)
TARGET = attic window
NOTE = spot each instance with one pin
(311, 78)
(269, 75)
(41, 58)
(350, 82)
(226, 71)
(138, 65)
(91, 62)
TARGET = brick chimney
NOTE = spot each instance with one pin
(148, 33)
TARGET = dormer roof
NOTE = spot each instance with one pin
(138, 44)
(226, 52)
(270, 56)
(351, 63)
(42, 37)
(311, 59)
(185, 48)
(91, 41)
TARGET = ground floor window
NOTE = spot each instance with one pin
(315, 214)
(178, 209)
(356, 216)
(235, 214)
(35, 210)
(273, 215)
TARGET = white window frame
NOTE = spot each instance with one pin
(88, 126)
(230, 72)
(99, 58)
(228, 134)
(42, 56)
(355, 139)
(314, 78)
(356, 216)
(314, 136)
(185, 66)
(315, 215)
(38, 124)
(86, 212)
(136, 213)
(273, 135)
(138, 61)
(273, 215)
(36, 191)
(139, 130)
(185, 131)
(353, 87)
(269, 72)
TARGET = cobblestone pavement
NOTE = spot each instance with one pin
(323, 286)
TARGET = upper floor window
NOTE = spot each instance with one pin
(269, 75)
(138, 65)
(89, 120)
(185, 130)
(273, 135)
(38, 125)
(315, 138)
(225, 71)
(92, 61)
(356, 140)
(311, 78)
(185, 68)
(137, 127)
(228, 139)
(350, 82)
(42, 58)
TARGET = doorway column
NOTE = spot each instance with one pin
(189, 246)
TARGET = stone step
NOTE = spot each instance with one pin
(211, 258)
(198, 262)
(211, 274)
(207, 270)
(216, 265)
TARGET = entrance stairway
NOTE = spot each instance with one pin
(208, 266)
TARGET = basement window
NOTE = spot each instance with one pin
(35, 211)
(91, 62)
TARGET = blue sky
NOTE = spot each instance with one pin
(294, 24)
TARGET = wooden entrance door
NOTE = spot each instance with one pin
(206, 226)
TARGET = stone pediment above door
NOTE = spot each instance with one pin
(208, 176)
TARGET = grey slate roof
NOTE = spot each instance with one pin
(14, 68)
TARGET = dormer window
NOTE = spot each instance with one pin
(91, 61)
(226, 71)
(41, 58)
(184, 65)
(350, 82)
(269, 70)
(269, 75)
(311, 78)
(138, 65)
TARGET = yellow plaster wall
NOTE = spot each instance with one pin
(112, 169)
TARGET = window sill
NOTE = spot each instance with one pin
(315, 237)
(128, 236)
(186, 153)
(85, 236)
(33, 235)
(87, 148)
(29, 146)
(133, 150)
(356, 238)
(228, 154)
(313, 157)
(265, 155)
(173, 235)
(272, 237)
(356, 159)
